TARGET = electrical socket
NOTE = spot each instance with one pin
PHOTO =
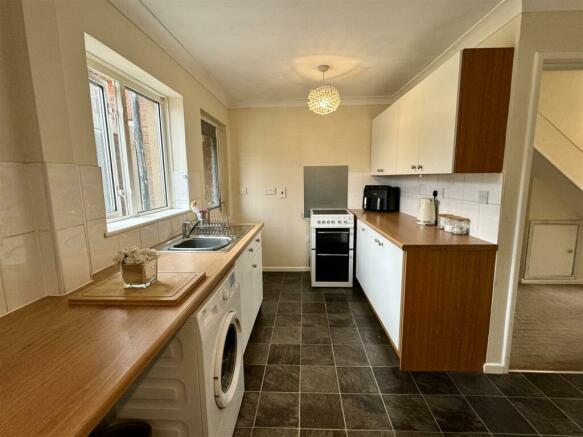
(269, 191)
(483, 198)
(243, 191)
(281, 192)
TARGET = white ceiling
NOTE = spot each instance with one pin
(263, 52)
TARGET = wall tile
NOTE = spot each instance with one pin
(453, 186)
(355, 199)
(355, 180)
(49, 263)
(21, 270)
(65, 195)
(38, 195)
(177, 224)
(74, 256)
(149, 235)
(489, 222)
(129, 239)
(472, 186)
(101, 249)
(16, 214)
(92, 186)
(164, 230)
(471, 210)
(492, 182)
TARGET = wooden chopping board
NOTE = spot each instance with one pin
(170, 289)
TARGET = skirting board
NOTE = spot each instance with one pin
(552, 281)
(495, 368)
(286, 269)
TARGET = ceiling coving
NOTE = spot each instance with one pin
(325, 99)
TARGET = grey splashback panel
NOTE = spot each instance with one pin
(325, 187)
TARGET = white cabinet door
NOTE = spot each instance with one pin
(363, 254)
(249, 270)
(409, 131)
(385, 134)
(551, 250)
(257, 278)
(439, 117)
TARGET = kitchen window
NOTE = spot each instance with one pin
(129, 123)
(210, 157)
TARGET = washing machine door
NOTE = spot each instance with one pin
(228, 360)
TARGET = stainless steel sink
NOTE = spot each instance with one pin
(202, 243)
(207, 242)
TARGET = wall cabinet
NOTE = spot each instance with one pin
(453, 121)
(250, 273)
(433, 301)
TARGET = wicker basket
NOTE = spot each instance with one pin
(139, 275)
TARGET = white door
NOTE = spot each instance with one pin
(439, 118)
(409, 128)
(384, 141)
(363, 254)
(551, 250)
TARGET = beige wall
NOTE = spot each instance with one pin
(269, 148)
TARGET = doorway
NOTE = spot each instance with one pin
(548, 316)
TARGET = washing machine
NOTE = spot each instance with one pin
(194, 388)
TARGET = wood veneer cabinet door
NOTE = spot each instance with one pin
(484, 96)
(446, 308)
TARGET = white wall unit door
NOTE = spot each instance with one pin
(409, 132)
(249, 271)
(439, 118)
(379, 270)
(551, 250)
(385, 137)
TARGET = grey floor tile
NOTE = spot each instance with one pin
(572, 408)
(341, 320)
(278, 410)
(286, 336)
(410, 413)
(367, 321)
(337, 308)
(356, 380)
(434, 383)
(515, 384)
(242, 432)
(334, 297)
(382, 355)
(290, 296)
(365, 412)
(546, 417)
(373, 434)
(275, 432)
(314, 320)
(253, 377)
(289, 308)
(323, 411)
(261, 334)
(268, 308)
(284, 354)
(454, 414)
(256, 353)
(350, 355)
(288, 321)
(345, 336)
(575, 379)
(360, 308)
(312, 297)
(265, 319)
(474, 384)
(499, 415)
(553, 385)
(322, 433)
(248, 409)
(318, 379)
(317, 355)
(281, 378)
(373, 336)
(313, 308)
(392, 380)
(316, 335)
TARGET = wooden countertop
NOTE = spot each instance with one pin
(63, 367)
(403, 230)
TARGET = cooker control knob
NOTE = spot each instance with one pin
(225, 294)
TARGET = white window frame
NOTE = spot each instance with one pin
(96, 69)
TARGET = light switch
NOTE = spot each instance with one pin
(281, 192)
(483, 198)
(243, 191)
(269, 191)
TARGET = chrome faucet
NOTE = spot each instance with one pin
(188, 226)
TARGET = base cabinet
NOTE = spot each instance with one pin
(433, 301)
(250, 273)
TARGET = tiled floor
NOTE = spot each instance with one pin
(318, 365)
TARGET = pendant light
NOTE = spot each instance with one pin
(325, 99)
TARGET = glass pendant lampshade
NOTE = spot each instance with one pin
(324, 99)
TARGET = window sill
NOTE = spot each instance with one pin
(120, 226)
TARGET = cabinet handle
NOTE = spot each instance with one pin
(254, 266)
(380, 170)
(250, 249)
(413, 167)
(419, 167)
(258, 240)
(362, 229)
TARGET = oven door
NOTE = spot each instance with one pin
(332, 240)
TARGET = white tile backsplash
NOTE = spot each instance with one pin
(74, 257)
(49, 263)
(102, 249)
(129, 239)
(165, 230)
(17, 213)
(65, 195)
(38, 195)
(92, 186)
(489, 222)
(21, 270)
(149, 235)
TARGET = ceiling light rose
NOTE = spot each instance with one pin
(325, 99)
